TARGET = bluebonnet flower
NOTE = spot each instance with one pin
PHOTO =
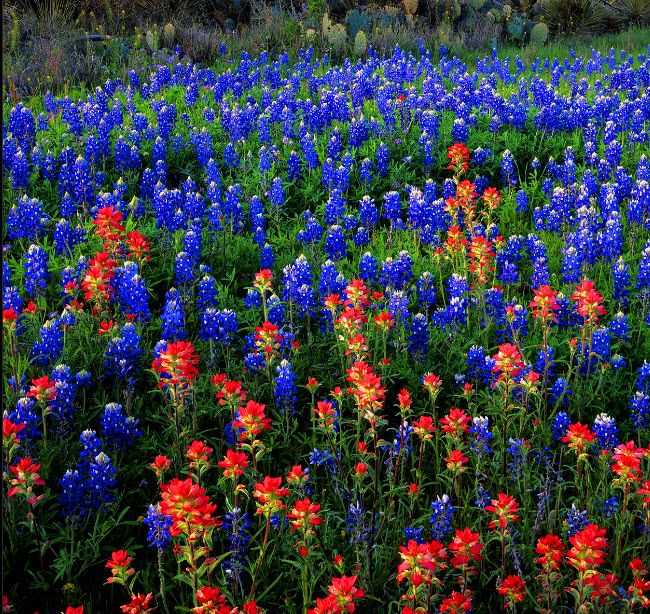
(608, 507)
(640, 410)
(220, 326)
(237, 526)
(368, 267)
(414, 534)
(400, 445)
(576, 520)
(123, 355)
(323, 458)
(483, 496)
(481, 429)
(173, 316)
(88, 487)
(426, 290)
(519, 458)
(508, 172)
(36, 271)
(560, 425)
(66, 389)
(442, 513)
(358, 524)
(26, 412)
(285, 387)
(50, 345)
(158, 534)
(206, 293)
(66, 237)
(26, 220)
(398, 304)
(335, 245)
(119, 431)
(419, 336)
(276, 193)
(606, 432)
(131, 291)
(335, 208)
(382, 159)
(267, 258)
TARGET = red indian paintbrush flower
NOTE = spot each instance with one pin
(356, 295)
(424, 427)
(188, 506)
(160, 464)
(588, 549)
(455, 423)
(545, 304)
(229, 392)
(210, 601)
(96, 283)
(120, 566)
(640, 589)
(551, 551)
(43, 389)
(138, 246)
(579, 437)
(513, 588)
(627, 464)
(139, 604)
(343, 589)
(466, 548)
(304, 515)
(268, 338)
(589, 302)
(383, 321)
(505, 507)
(108, 221)
(456, 603)
(326, 414)
(252, 418)
(491, 197)
(421, 561)
(198, 452)
(433, 384)
(458, 155)
(10, 431)
(176, 366)
(456, 461)
(263, 280)
(25, 478)
(269, 494)
(233, 464)
(297, 476)
(508, 362)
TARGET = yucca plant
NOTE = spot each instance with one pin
(574, 16)
(625, 13)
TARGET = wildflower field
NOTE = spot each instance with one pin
(293, 336)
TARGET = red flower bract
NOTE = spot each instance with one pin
(188, 506)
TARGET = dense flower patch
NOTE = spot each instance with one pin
(317, 338)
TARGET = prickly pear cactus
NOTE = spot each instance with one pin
(539, 34)
(495, 15)
(169, 34)
(153, 39)
(477, 5)
(360, 43)
(411, 6)
(337, 36)
(357, 20)
(326, 24)
(515, 28)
